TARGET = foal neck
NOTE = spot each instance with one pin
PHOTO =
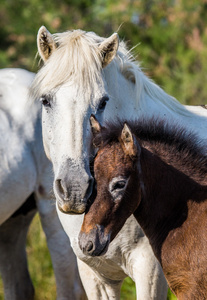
(164, 204)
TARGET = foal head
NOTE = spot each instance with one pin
(117, 173)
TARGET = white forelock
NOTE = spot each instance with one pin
(76, 58)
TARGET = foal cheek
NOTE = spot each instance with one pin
(103, 209)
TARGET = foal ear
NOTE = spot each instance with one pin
(109, 48)
(95, 128)
(45, 43)
(129, 143)
(95, 125)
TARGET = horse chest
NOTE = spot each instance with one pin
(113, 264)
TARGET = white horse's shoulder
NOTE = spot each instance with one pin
(14, 87)
(12, 76)
(14, 94)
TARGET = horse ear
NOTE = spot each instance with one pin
(96, 128)
(129, 143)
(45, 43)
(95, 125)
(109, 48)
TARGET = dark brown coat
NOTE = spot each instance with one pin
(158, 174)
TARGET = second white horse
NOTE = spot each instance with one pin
(26, 173)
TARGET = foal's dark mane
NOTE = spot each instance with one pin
(170, 142)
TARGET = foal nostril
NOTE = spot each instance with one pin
(89, 246)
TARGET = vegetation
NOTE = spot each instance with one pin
(172, 38)
(172, 35)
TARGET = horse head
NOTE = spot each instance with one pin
(71, 87)
(117, 173)
(85, 74)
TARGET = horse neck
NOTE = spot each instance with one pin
(123, 93)
(143, 98)
(164, 202)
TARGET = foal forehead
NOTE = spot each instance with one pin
(111, 158)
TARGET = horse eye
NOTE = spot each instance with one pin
(45, 101)
(119, 185)
(103, 102)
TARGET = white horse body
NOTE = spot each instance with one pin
(17, 161)
(25, 170)
(82, 72)
(128, 255)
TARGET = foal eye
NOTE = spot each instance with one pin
(119, 185)
(103, 102)
(45, 101)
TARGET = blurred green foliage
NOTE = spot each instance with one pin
(172, 35)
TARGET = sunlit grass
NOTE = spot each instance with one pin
(41, 271)
(171, 296)
(128, 291)
(40, 265)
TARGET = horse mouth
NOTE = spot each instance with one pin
(70, 211)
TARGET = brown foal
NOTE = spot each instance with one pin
(158, 174)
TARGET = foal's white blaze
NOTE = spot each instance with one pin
(81, 69)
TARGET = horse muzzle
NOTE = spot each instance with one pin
(72, 199)
(94, 243)
(71, 209)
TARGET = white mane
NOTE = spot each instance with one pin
(77, 58)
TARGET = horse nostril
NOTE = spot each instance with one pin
(60, 188)
(89, 246)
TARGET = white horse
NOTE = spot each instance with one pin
(85, 74)
(26, 173)
(130, 254)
